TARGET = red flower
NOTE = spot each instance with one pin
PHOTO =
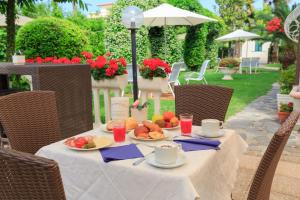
(87, 55)
(64, 60)
(290, 104)
(29, 60)
(110, 71)
(100, 61)
(168, 70)
(75, 60)
(275, 25)
(123, 62)
(49, 59)
(125, 72)
(39, 60)
(114, 64)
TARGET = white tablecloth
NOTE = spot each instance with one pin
(207, 175)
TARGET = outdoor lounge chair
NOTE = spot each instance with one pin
(254, 63)
(173, 78)
(30, 120)
(245, 63)
(262, 182)
(203, 101)
(201, 75)
(28, 177)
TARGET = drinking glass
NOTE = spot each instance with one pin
(119, 130)
(186, 121)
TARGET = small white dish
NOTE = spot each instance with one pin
(181, 160)
(199, 132)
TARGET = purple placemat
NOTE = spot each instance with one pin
(198, 144)
(120, 153)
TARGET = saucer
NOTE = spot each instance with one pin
(221, 133)
(181, 160)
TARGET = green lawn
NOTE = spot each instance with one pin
(246, 89)
(275, 65)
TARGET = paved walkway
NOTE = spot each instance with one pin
(256, 124)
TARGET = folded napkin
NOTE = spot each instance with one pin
(198, 144)
(120, 153)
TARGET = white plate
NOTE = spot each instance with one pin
(199, 132)
(131, 135)
(100, 142)
(181, 160)
(103, 128)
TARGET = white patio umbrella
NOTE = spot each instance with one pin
(238, 35)
(20, 20)
(166, 14)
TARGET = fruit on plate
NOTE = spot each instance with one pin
(148, 130)
(167, 120)
(156, 118)
(168, 116)
(131, 123)
(174, 122)
(83, 142)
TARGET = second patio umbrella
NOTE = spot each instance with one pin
(238, 35)
(166, 14)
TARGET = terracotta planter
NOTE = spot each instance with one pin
(283, 99)
(156, 84)
(118, 82)
(228, 72)
(282, 116)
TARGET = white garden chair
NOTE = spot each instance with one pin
(246, 63)
(201, 76)
(173, 77)
(255, 63)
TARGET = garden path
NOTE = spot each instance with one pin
(256, 124)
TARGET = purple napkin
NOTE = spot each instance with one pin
(198, 144)
(120, 153)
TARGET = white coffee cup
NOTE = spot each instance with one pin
(167, 153)
(211, 127)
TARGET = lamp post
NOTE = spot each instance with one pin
(133, 18)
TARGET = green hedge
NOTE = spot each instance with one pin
(2, 44)
(51, 37)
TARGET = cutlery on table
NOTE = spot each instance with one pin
(139, 161)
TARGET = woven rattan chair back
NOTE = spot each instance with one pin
(262, 182)
(203, 101)
(28, 177)
(30, 120)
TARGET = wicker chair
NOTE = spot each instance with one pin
(30, 120)
(262, 182)
(28, 177)
(203, 101)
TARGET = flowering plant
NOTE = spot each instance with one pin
(105, 66)
(154, 67)
(286, 107)
(275, 25)
(53, 60)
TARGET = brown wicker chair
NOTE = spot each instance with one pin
(28, 177)
(262, 182)
(203, 101)
(30, 120)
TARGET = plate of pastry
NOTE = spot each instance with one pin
(148, 131)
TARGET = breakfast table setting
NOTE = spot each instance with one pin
(134, 160)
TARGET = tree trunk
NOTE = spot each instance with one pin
(275, 51)
(11, 29)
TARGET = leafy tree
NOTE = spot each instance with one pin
(2, 44)
(40, 38)
(233, 13)
(94, 30)
(9, 9)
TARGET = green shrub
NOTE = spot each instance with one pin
(173, 46)
(2, 44)
(51, 37)
(229, 62)
(287, 79)
(94, 30)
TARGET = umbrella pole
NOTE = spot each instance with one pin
(165, 35)
(246, 49)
